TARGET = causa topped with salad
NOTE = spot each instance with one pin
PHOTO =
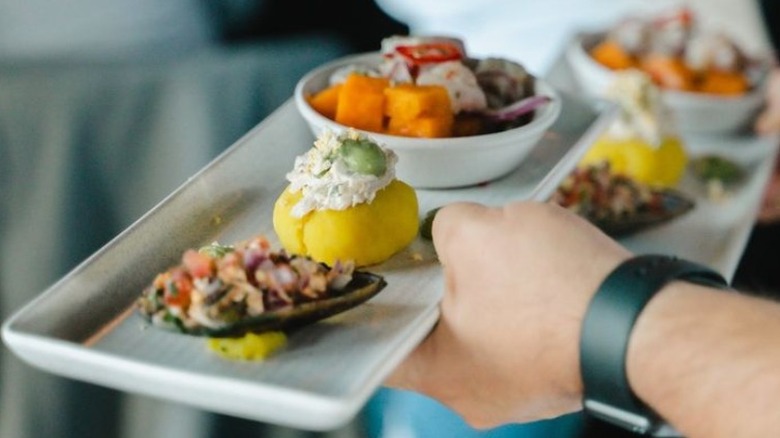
(429, 87)
(344, 202)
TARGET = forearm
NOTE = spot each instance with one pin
(709, 361)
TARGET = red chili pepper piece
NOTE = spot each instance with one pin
(430, 52)
(684, 16)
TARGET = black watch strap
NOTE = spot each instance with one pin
(607, 328)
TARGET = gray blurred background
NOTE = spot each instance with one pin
(106, 106)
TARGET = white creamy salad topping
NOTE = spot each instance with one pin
(328, 178)
(643, 113)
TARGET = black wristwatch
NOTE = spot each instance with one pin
(607, 327)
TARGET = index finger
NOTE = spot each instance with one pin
(450, 218)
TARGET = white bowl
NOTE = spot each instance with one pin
(693, 112)
(439, 162)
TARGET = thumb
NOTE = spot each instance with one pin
(768, 122)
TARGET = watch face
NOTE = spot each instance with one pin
(632, 421)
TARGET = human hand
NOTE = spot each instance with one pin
(518, 282)
(770, 206)
(769, 123)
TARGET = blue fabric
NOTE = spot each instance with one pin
(392, 413)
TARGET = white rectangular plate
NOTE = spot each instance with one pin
(84, 326)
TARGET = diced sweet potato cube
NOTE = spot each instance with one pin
(669, 72)
(361, 102)
(428, 127)
(407, 101)
(610, 54)
(724, 83)
(326, 101)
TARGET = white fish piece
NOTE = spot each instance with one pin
(460, 82)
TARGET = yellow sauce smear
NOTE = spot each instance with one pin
(252, 346)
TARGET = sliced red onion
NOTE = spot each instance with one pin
(517, 109)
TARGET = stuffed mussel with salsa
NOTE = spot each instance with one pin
(232, 290)
(616, 203)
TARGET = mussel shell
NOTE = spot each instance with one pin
(675, 204)
(364, 285)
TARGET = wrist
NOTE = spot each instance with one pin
(695, 347)
(659, 324)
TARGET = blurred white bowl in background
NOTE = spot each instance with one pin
(693, 112)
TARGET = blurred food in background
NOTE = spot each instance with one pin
(718, 174)
(642, 143)
(678, 54)
(616, 203)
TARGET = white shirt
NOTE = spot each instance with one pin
(535, 32)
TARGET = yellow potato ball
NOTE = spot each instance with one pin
(661, 166)
(367, 233)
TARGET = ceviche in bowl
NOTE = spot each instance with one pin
(709, 81)
(452, 120)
